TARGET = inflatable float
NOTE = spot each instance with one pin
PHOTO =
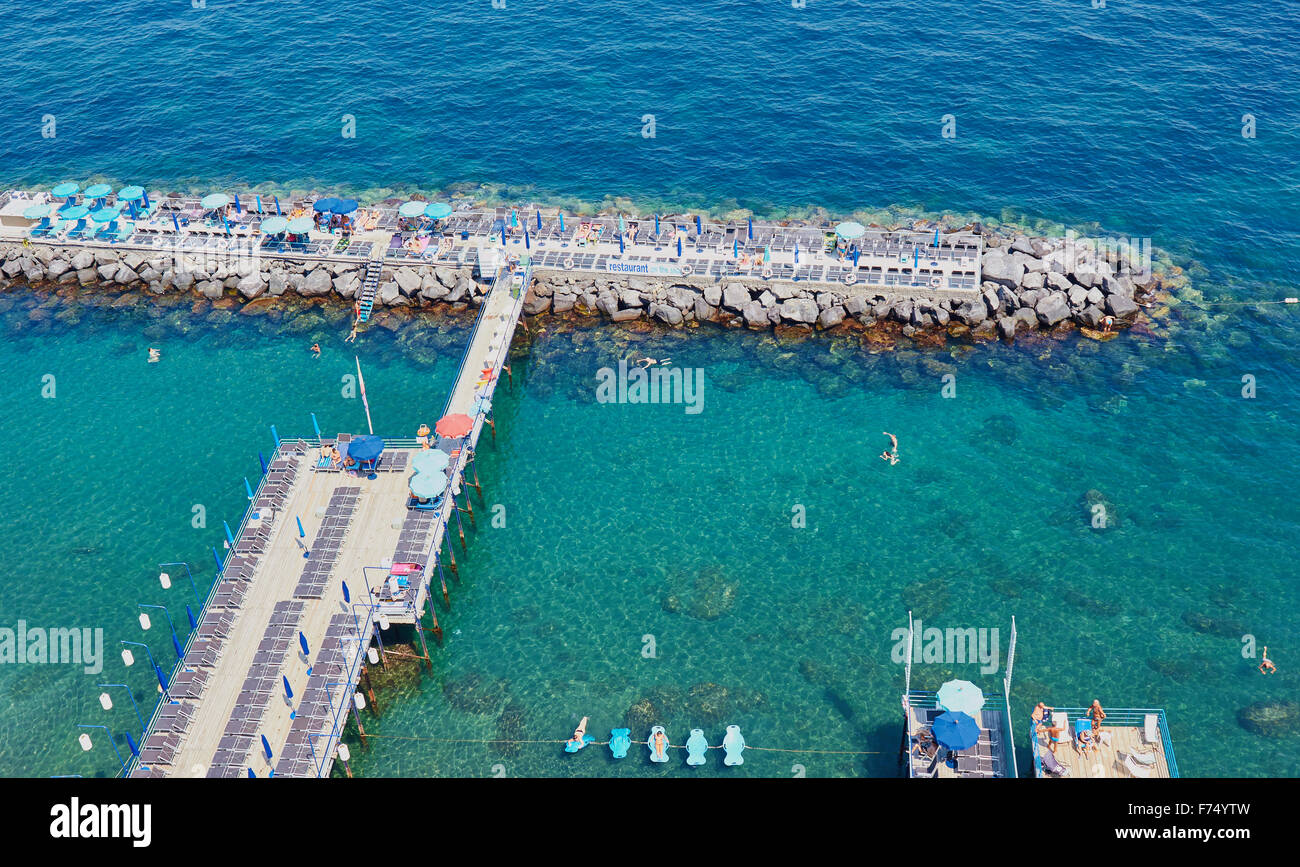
(658, 744)
(580, 738)
(695, 747)
(733, 745)
(619, 742)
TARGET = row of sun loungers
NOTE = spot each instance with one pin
(325, 547)
(320, 714)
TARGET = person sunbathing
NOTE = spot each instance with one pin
(1087, 741)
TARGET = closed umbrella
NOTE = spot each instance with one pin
(956, 730)
(961, 695)
(430, 461)
(454, 425)
(428, 485)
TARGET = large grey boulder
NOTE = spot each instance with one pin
(736, 296)
(666, 313)
(801, 310)
(607, 303)
(83, 260)
(756, 315)
(1121, 305)
(210, 289)
(1003, 270)
(704, 311)
(408, 281)
(713, 295)
(1053, 309)
(830, 317)
(318, 282)
(252, 286)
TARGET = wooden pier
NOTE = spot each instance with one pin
(279, 613)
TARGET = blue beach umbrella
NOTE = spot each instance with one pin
(130, 742)
(503, 235)
(767, 254)
(366, 448)
(212, 201)
(527, 243)
(258, 199)
(751, 228)
(620, 243)
(438, 211)
(411, 209)
(176, 223)
(679, 246)
(735, 249)
(323, 206)
(430, 461)
(656, 224)
(916, 257)
(105, 215)
(960, 695)
(65, 189)
(561, 222)
(35, 212)
(796, 253)
(76, 212)
(850, 230)
(347, 597)
(698, 229)
(936, 236)
(131, 196)
(277, 204)
(622, 227)
(288, 690)
(266, 747)
(856, 253)
(956, 730)
(225, 223)
(235, 201)
(251, 774)
(97, 192)
(344, 206)
(428, 485)
(539, 221)
(299, 225)
(274, 225)
(302, 641)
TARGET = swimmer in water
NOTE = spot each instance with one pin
(154, 355)
(315, 349)
(1267, 666)
(579, 739)
(888, 455)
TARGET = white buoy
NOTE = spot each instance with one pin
(84, 740)
(344, 753)
(145, 622)
(105, 701)
(128, 658)
(373, 655)
(359, 700)
(165, 580)
(383, 624)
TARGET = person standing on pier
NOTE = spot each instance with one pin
(1096, 714)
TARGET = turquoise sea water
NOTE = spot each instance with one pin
(1126, 120)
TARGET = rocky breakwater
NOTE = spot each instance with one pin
(1028, 284)
(250, 277)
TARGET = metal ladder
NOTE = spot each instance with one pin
(369, 286)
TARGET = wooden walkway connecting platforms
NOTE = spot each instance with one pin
(280, 588)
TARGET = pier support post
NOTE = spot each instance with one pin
(419, 633)
(470, 508)
(433, 612)
(460, 525)
(446, 537)
(370, 692)
(477, 486)
(356, 715)
(493, 425)
(446, 598)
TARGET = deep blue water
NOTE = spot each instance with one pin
(1125, 120)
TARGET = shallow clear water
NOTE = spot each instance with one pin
(1127, 119)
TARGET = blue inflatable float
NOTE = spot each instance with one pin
(619, 741)
(580, 738)
(695, 747)
(733, 745)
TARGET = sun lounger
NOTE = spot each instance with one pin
(1144, 758)
(1134, 768)
(1150, 729)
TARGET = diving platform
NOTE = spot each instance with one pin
(324, 560)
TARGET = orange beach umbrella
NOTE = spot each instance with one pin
(455, 425)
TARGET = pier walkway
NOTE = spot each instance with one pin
(674, 246)
(309, 582)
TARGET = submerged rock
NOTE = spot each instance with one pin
(1271, 719)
